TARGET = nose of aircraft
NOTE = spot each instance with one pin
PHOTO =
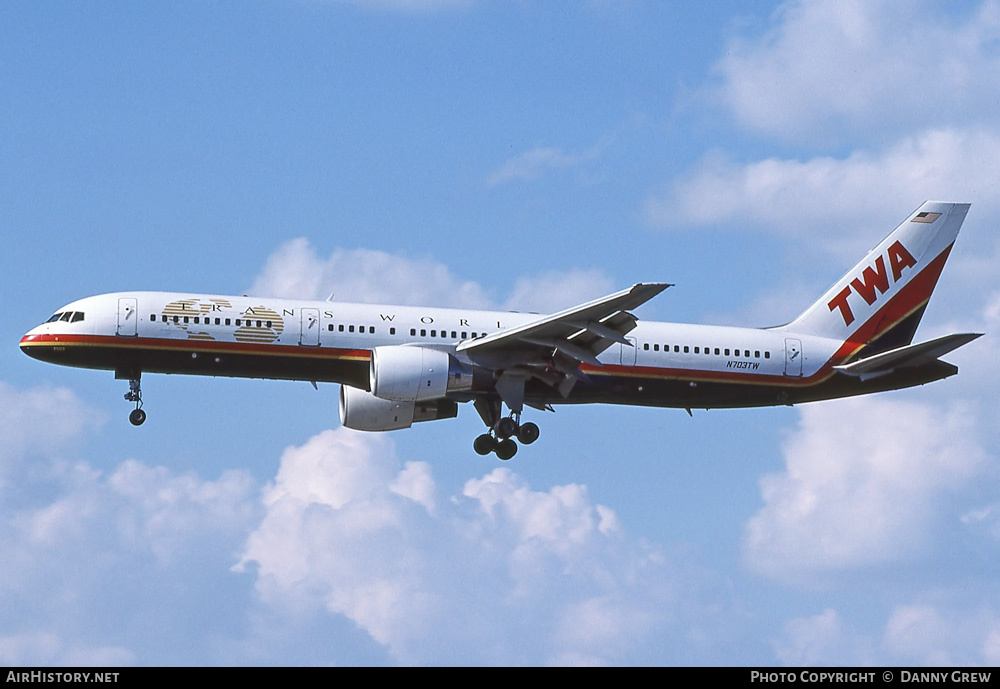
(32, 339)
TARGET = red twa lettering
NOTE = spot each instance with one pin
(899, 258)
(873, 281)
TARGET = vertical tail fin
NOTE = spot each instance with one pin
(879, 302)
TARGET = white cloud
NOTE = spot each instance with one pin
(942, 633)
(501, 573)
(821, 640)
(833, 200)
(919, 631)
(91, 559)
(40, 421)
(864, 484)
(835, 68)
(294, 270)
(555, 291)
(532, 164)
(50, 650)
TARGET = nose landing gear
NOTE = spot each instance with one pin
(134, 394)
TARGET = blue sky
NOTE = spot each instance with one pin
(513, 155)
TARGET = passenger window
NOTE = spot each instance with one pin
(465, 335)
(330, 327)
(152, 317)
(392, 331)
(646, 346)
(756, 354)
(423, 332)
(186, 319)
(227, 321)
(746, 353)
(238, 321)
(716, 351)
(767, 355)
(413, 331)
(197, 320)
(434, 333)
(696, 351)
(350, 328)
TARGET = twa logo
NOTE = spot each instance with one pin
(873, 281)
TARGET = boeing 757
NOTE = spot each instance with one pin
(400, 365)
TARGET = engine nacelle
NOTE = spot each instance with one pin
(415, 374)
(362, 411)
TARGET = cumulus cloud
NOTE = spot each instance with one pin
(831, 68)
(40, 421)
(831, 199)
(864, 484)
(368, 276)
(50, 650)
(500, 573)
(942, 633)
(821, 640)
(94, 560)
(295, 271)
(555, 291)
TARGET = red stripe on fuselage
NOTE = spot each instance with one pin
(215, 347)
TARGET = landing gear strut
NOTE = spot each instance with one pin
(503, 429)
(134, 394)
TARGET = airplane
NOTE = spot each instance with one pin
(400, 365)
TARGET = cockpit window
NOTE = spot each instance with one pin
(67, 317)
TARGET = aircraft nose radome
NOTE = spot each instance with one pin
(30, 338)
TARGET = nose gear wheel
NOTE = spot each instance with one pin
(134, 394)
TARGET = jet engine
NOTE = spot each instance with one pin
(415, 374)
(362, 411)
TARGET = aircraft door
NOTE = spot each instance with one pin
(309, 334)
(628, 352)
(128, 317)
(793, 357)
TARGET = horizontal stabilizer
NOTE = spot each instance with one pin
(906, 357)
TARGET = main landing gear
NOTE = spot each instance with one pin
(134, 394)
(500, 437)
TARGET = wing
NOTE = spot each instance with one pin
(552, 348)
